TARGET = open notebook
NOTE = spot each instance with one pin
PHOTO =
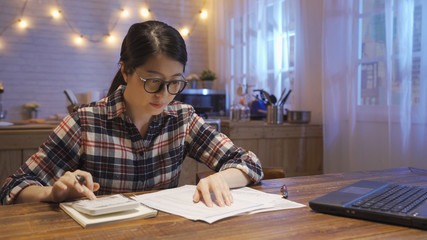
(378, 201)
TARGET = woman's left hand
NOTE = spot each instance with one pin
(215, 183)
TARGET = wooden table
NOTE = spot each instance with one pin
(48, 221)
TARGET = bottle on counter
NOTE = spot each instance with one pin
(245, 113)
(240, 111)
(235, 112)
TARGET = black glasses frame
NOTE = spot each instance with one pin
(164, 82)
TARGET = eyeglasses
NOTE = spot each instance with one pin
(155, 85)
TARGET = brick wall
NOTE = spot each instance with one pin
(39, 62)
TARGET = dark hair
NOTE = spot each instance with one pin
(145, 40)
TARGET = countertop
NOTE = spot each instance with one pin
(224, 122)
(23, 125)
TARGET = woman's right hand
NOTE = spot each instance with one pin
(68, 187)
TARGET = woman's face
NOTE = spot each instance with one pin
(137, 99)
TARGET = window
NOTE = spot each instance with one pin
(262, 47)
(380, 66)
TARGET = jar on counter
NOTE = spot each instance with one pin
(245, 113)
(240, 113)
(235, 112)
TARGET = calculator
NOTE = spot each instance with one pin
(105, 205)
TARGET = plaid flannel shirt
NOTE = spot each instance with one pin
(100, 138)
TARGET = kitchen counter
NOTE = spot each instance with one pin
(297, 148)
(22, 125)
(261, 129)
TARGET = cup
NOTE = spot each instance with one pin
(274, 114)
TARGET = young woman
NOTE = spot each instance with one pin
(137, 137)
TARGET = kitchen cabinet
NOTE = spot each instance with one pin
(297, 148)
(18, 143)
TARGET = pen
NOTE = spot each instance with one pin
(80, 179)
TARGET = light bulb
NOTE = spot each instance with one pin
(204, 14)
(110, 38)
(79, 39)
(185, 32)
(125, 12)
(22, 23)
(145, 12)
(56, 13)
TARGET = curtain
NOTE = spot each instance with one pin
(374, 84)
(270, 45)
(359, 66)
(238, 44)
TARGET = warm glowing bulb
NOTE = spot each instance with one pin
(125, 13)
(56, 13)
(185, 32)
(204, 14)
(145, 12)
(22, 23)
(110, 38)
(79, 39)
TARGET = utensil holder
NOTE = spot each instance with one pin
(274, 114)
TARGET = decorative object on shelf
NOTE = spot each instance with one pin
(32, 109)
(207, 77)
(192, 80)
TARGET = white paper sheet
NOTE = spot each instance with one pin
(179, 201)
(279, 203)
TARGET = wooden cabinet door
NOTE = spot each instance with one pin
(10, 161)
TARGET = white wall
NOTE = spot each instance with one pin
(39, 62)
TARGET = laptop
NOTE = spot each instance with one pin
(377, 201)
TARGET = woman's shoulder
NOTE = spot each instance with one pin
(108, 107)
(93, 107)
(176, 108)
(95, 110)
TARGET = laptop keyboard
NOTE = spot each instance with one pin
(393, 198)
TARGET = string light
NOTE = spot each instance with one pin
(22, 23)
(110, 38)
(145, 12)
(125, 12)
(204, 14)
(79, 40)
(185, 32)
(56, 13)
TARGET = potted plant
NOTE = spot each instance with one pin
(192, 80)
(207, 76)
